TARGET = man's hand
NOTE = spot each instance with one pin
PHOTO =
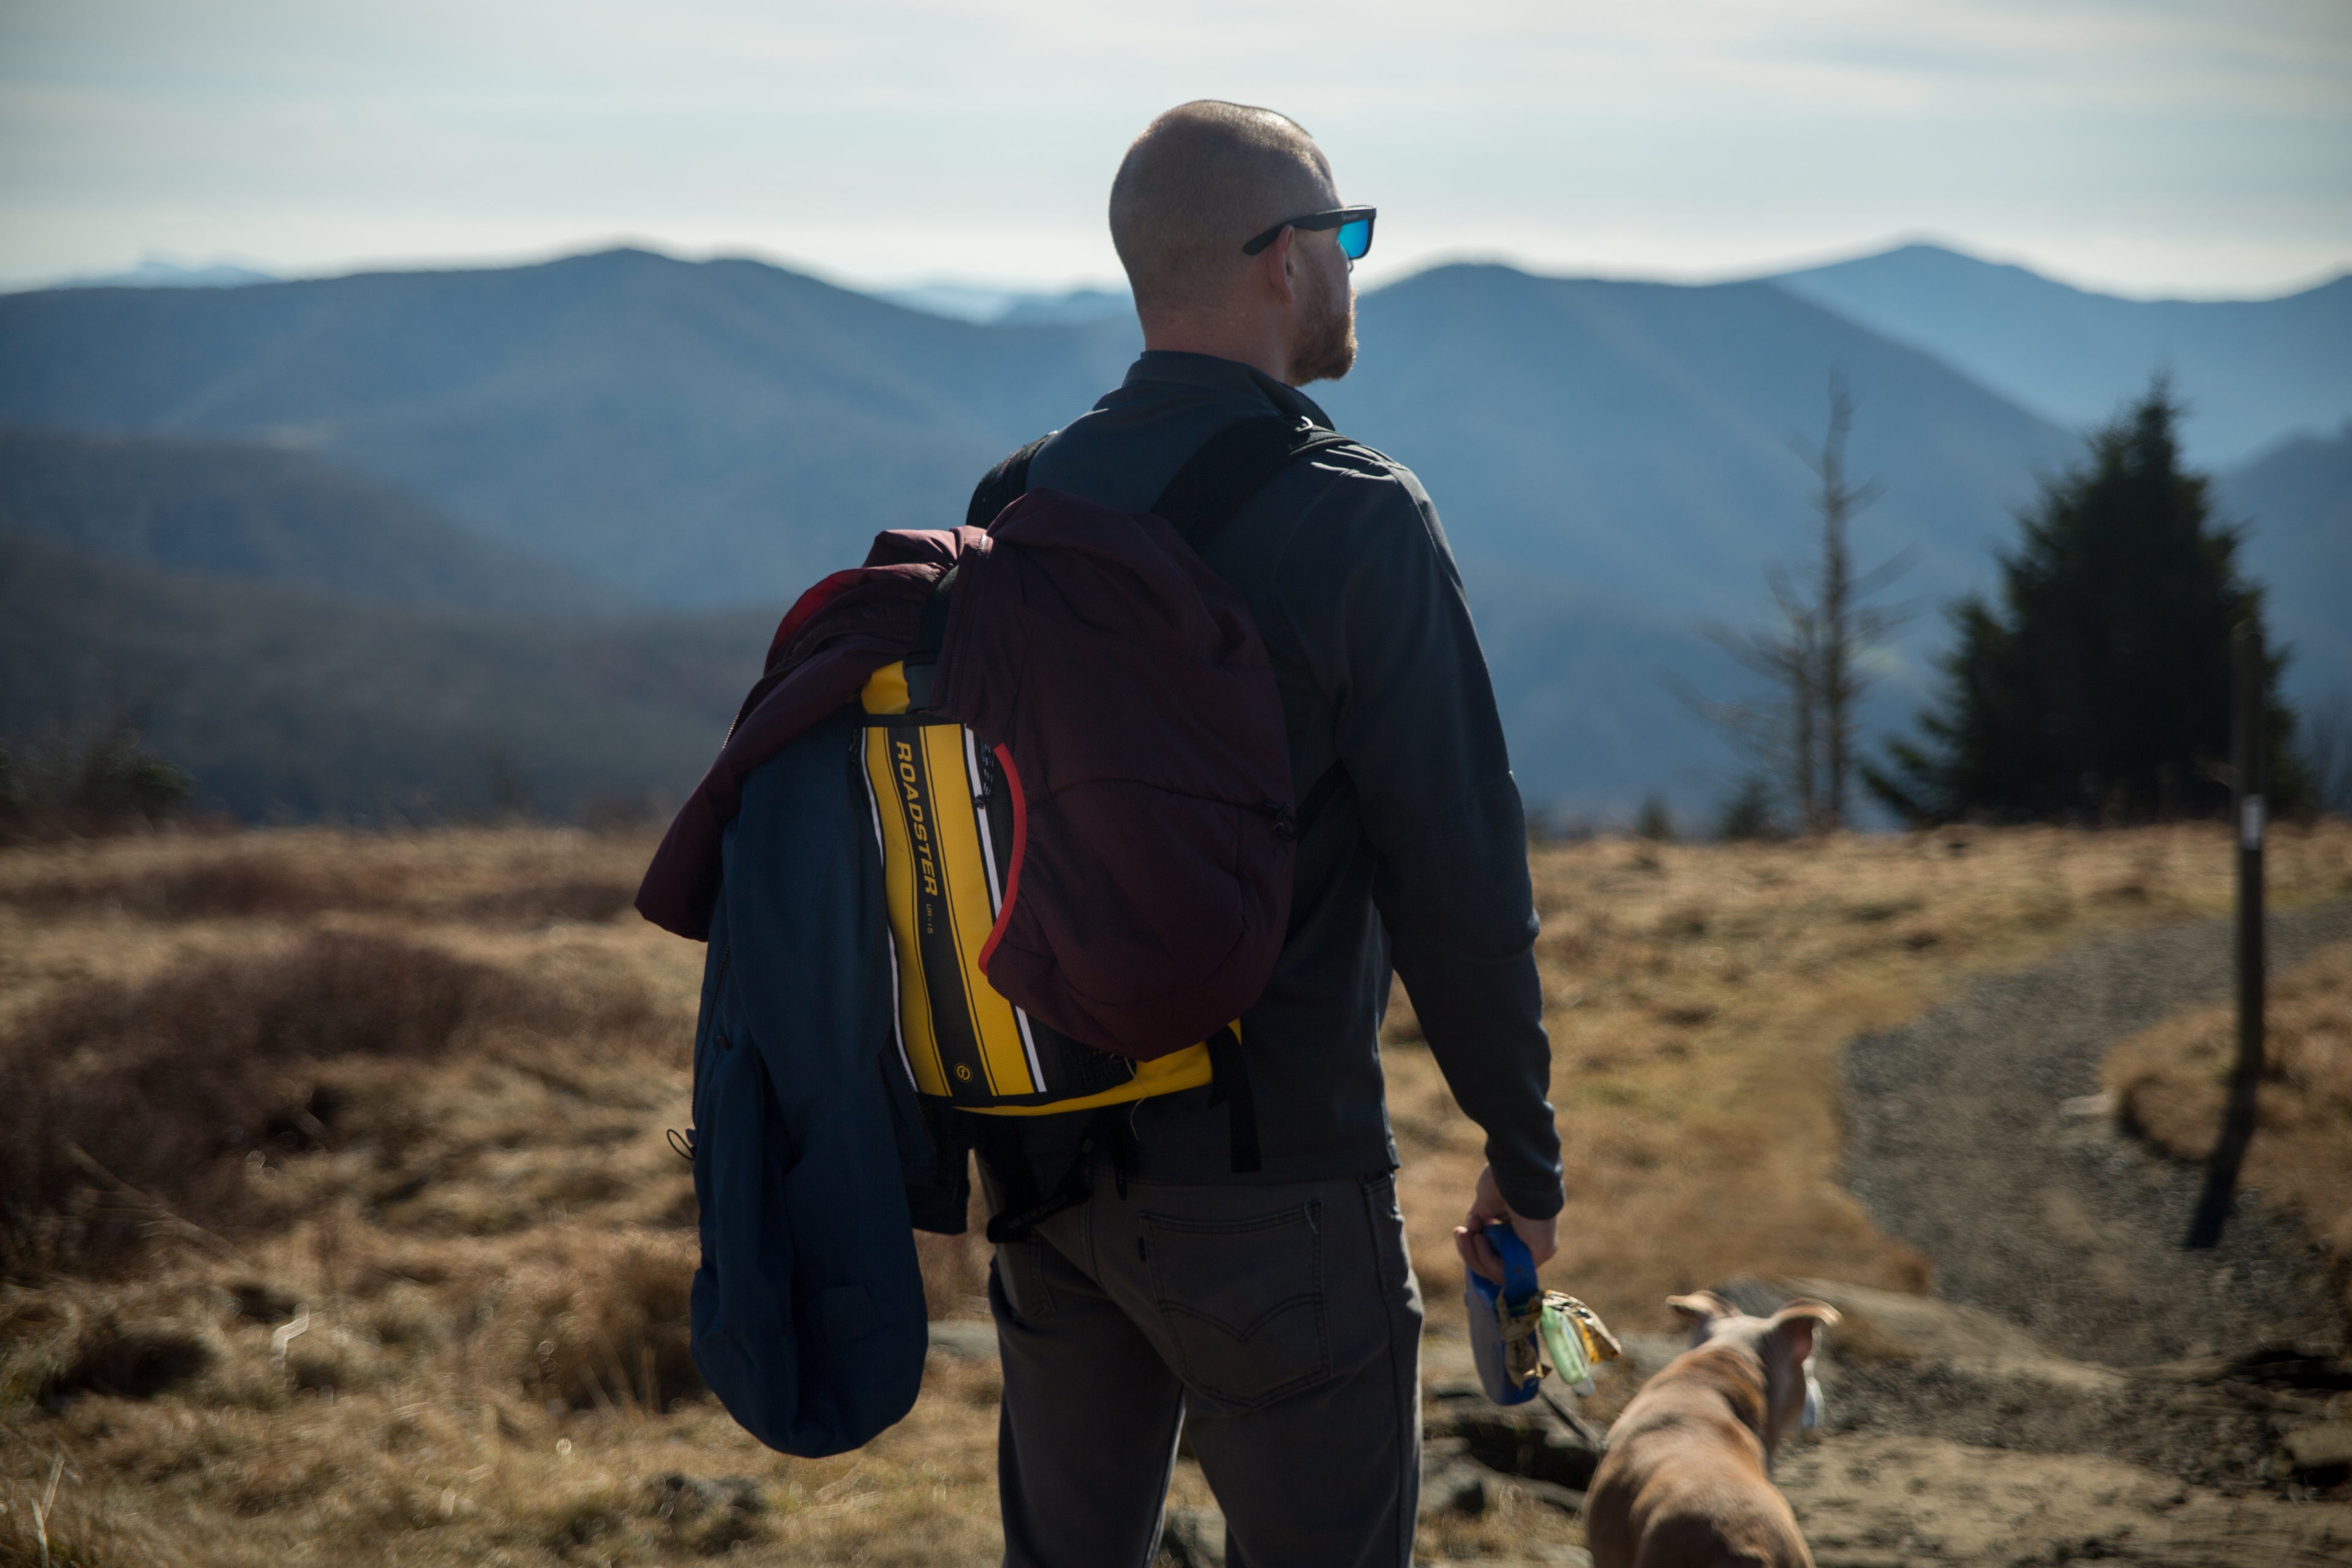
(1541, 1237)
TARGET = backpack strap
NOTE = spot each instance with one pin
(1205, 495)
(1214, 482)
(1231, 1088)
(1002, 485)
(921, 662)
(998, 489)
(1231, 467)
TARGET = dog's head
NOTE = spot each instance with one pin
(1784, 1343)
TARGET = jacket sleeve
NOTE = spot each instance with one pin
(1371, 586)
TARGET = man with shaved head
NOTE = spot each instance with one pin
(1266, 1308)
(1200, 174)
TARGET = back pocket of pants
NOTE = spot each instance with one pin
(1243, 1301)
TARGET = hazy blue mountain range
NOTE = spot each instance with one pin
(289, 701)
(155, 272)
(1014, 307)
(725, 432)
(2254, 371)
(1614, 461)
(236, 510)
(285, 700)
(1639, 438)
(709, 433)
(2296, 504)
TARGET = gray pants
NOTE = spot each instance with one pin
(1280, 1322)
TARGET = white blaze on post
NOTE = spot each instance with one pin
(2250, 822)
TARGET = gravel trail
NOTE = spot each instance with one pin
(1955, 1143)
(2079, 1389)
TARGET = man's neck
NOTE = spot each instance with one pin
(1245, 342)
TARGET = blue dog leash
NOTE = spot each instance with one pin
(1520, 1332)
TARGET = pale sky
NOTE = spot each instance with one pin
(2143, 146)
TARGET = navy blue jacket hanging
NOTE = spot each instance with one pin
(810, 1156)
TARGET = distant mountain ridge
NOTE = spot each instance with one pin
(2254, 371)
(687, 433)
(286, 701)
(1014, 307)
(727, 431)
(2296, 504)
(157, 273)
(1613, 462)
(236, 510)
(1644, 437)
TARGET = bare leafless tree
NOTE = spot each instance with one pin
(1813, 654)
(1779, 730)
(1849, 625)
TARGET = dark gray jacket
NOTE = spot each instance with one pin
(1419, 858)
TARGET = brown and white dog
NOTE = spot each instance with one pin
(1686, 1482)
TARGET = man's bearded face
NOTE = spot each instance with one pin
(1324, 348)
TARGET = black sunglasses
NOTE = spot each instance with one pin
(1354, 223)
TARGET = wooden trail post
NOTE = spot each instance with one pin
(2246, 1079)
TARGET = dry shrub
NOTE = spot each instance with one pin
(41, 1334)
(133, 1341)
(2170, 1083)
(703, 1516)
(130, 1106)
(586, 899)
(236, 886)
(709, 1515)
(584, 1519)
(133, 1361)
(267, 885)
(54, 1518)
(612, 1335)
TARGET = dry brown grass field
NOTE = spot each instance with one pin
(341, 1227)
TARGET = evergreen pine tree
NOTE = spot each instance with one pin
(2100, 688)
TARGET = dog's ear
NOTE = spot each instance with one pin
(1797, 1326)
(1700, 1308)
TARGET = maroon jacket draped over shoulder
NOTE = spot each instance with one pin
(1123, 685)
(835, 636)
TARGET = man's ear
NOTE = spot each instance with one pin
(1700, 1308)
(1797, 1327)
(1275, 265)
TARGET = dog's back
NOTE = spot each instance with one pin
(1682, 1484)
(1686, 1481)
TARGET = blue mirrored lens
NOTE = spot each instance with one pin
(1355, 238)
